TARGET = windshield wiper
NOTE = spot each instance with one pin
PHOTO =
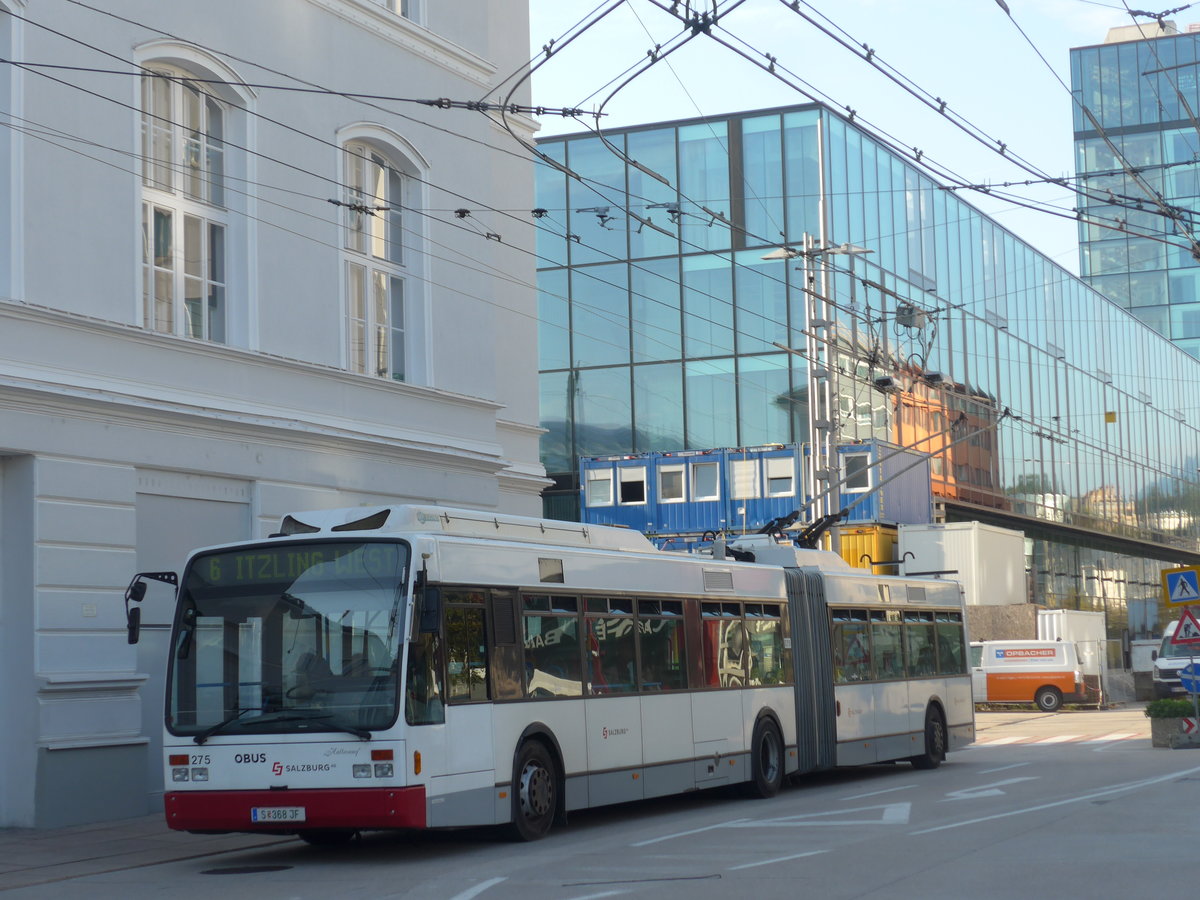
(213, 729)
(336, 721)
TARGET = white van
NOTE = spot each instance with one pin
(1168, 660)
(1043, 672)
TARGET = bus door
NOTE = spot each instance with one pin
(718, 723)
(612, 710)
(451, 724)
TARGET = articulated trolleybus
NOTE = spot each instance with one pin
(423, 667)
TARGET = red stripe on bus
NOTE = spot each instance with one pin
(323, 808)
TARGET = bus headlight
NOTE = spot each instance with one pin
(362, 770)
(383, 770)
(179, 774)
(200, 774)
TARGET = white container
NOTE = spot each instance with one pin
(988, 561)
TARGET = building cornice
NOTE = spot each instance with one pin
(409, 36)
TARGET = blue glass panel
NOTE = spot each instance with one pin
(658, 407)
(602, 412)
(761, 291)
(554, 326)
(652, 199)
(704, 186)
(802, 171)
(1185, 320)
(711, 403)
(762, 180)
(707, 306)
(551, 194)
(765, 400)
(555, 416)
(600, 314)
(596, 203)
(654, 295)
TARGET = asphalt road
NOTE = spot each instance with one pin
(1071, 804)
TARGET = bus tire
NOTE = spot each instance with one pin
(534, 792)
(935, 741)
(1048, 698)
(766, 759)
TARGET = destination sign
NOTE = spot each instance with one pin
(312, 562)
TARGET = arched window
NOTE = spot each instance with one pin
(184, 216)
(374, 262)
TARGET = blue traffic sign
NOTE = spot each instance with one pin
(1181, 585)
(1189, 677)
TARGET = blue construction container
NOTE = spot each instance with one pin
(738, 490)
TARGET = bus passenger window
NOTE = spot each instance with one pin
(466, 652)
(887, 636)
(661, 640)
(919, 641)
(610, 654)
(769, 662)
(950, 643)
(423, 683)
(725, 649)
(851, 646)
(552, 663)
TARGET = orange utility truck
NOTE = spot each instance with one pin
(1043, 672)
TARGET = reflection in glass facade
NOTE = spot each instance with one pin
(668, 331)
(1140, 139)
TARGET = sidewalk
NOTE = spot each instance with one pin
(30, 856)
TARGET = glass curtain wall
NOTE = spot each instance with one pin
(1037, 397)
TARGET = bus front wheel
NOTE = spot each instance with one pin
(766, 760)
(534, 792)
(935, 741)
(1048, 699)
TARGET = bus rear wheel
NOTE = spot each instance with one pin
(766, 760)
(534, 792)
(935, 741)
(1048, 699)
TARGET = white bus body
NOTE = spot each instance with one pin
(419, 667)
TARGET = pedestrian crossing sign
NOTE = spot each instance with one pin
(1181, 586)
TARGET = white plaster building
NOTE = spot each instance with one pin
(195, 341)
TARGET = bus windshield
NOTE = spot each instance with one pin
(288, 638)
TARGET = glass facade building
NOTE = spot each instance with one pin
(1046, 407)
(1136, 137)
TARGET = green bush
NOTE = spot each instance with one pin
(1169, 709)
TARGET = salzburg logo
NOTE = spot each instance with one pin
(277, 768)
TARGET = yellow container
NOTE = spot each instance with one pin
(860, 545)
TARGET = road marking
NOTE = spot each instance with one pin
(885, 791)
(995, 742)
(602, 894)
(1059, 739)
(1130, 786)
(986, 790)
(1002, 768)
(1115, 736)
(679, 834)
(892, 814)
(478, 889)
(778, 859)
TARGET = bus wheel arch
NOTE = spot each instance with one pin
(936, 738)
(1048, 698)
(538, 784)
(767, 757)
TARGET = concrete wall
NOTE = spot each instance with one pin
(1017, 622)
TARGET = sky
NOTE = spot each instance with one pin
(985, 63)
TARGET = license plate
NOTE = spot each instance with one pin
(277, 814)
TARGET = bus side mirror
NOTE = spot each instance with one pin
(431, 610)
(135, 593)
